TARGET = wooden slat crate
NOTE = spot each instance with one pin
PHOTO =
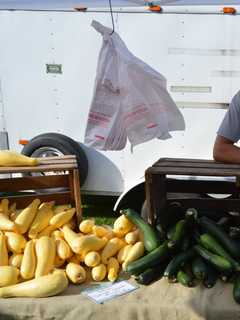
(60, 182)
(166, 182)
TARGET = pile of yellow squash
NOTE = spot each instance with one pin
(42, 249)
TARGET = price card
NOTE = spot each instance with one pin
(110, 291)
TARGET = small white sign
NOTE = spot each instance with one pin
(111, 291)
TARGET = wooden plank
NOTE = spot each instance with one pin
(211, 204)
(194, 163)
(77, 195)
(182, 160)
(40, 168)
(201, 186)
(156, 196)
(148, 191)
(159, 193)
(59, 161)
(69, 156)
(23, 201)
(33, 182)
(210, 166)
(195, 171)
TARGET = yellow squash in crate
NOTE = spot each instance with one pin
(86, 226)
(136, 252)
(57, 234)
(8, 275)
(113, 269)
(26, 216)
(45, 286)
(122, 254)
(3, 250)
(76, 273)
(92, 259)
(41, 221)
(61, 207)
(62, 249)
(15, 242)
(45, 253)
(46, 232)
(6, 224)
(132, 237)
(29, 261)
(99, 272)
(13, 159)
(112, 248)
(61, 218)
(82, 245)
(100, 231)
(70, 235)
(122, 225)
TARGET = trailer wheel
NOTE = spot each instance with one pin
(56, 144)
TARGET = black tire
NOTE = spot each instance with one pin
(64, 145)
(133, 199)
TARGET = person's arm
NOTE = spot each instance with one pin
(224, 150)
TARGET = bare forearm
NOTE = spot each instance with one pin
(226, 152)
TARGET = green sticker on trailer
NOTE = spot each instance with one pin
(54, 68)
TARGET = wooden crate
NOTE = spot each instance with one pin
(59, 182)
(162, 189)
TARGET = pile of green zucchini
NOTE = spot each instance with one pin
(195, 249)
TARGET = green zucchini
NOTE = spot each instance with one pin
(199, 268)
(152, 259)
(182, 227)
(236, 289)
(220, 235)
(151, 241)
(151, 274)
(220, 263)
(184, 279)
(208, 241)
(192, 212)
(177, 262)
(178, 233)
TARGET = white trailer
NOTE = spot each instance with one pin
(47, 69)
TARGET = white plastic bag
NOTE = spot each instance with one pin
(130, 99)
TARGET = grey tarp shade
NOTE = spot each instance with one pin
(70, 4)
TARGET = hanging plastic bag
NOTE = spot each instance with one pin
(130, 99)
(105, 129)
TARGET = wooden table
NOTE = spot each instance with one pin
(162, 189)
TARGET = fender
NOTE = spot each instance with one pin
(133, 198)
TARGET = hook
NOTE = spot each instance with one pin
(110, 5)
